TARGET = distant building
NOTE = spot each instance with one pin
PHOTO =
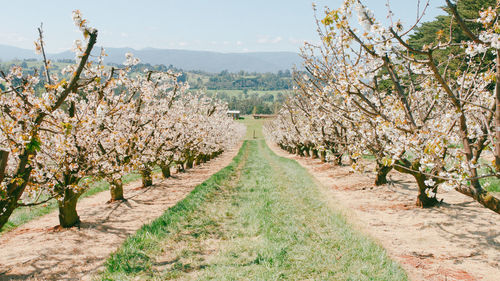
(235, 114)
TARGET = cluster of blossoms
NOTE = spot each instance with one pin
(100, 123)
(371, 92)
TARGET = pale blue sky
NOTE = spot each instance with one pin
(214, 25)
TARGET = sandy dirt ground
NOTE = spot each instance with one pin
(460, 240)
(36, 251)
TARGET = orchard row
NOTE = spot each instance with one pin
(431, 111)
(99, 123)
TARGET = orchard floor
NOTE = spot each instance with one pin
(37, 251)
(460, 240)
(263, 217)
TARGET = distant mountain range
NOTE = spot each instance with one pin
(183, 59)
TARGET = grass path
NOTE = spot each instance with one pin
(260, 218)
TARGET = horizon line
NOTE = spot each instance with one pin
(156, 48)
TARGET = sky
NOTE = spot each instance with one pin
(210, 25)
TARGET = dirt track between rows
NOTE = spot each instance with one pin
(35, 251)
(459, 240)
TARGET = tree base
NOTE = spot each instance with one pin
(67, 222)
(380, 181)
(116, 190)
(427, 202)
(116, 200)
(382, 172)
(147, 177)
(165, 171)
(68, 216)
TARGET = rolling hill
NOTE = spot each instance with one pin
(183, 59)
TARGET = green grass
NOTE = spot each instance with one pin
(253, 125)
(133, 257)
(491, 184)
(368, 157)
(23, 215)
(261, 218)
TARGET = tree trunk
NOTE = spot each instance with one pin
(382, 172)
(197, 162)
(315, 154)
(147, 177)
(165, 171)
(116, 190)
(338, 159)
(15, 189)
(482, 196)
(322, 155)
(68, 217)
(180, 167)
(497, 114)
(7, 206)
(189, 163)
(423, 200)
(306, 151)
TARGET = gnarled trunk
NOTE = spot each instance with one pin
(116, 190)
(189, 163)
(423, 199)
(165, 170)
(68, 217)
(180, 167)
(314, 154)
(15, 189)
(338, 159)
(9, 204)
(497, 114)
(147, 177)
(482, 196)
(322, 155)
(382, 172)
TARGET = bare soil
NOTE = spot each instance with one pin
(38, 250)
(459, 240)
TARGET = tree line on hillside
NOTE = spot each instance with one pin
(224, 80)
(252, 103)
